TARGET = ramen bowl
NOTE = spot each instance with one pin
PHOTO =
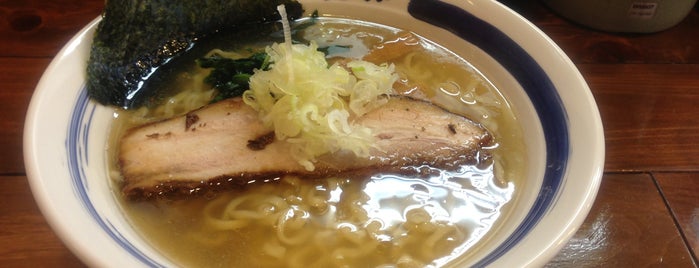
(66, 135)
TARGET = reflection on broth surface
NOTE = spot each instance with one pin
(348, 220)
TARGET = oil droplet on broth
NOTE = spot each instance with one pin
(451, 211)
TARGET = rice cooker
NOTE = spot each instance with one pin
(633, 16)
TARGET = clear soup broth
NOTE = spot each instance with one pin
(376, 221)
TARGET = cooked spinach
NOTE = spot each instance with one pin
(230, 76)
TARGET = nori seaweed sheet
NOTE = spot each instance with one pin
(136, 37)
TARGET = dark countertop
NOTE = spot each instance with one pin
(646, 86)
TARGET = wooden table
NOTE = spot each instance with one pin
(646, 86)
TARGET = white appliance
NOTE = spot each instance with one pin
(635, 16)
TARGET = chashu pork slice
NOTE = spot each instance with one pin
(224, 145)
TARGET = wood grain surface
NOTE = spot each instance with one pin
(629, 226)
(646, 87)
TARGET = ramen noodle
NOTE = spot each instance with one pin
(343, 221)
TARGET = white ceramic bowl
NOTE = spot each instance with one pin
(66, 134)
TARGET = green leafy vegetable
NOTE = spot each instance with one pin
(231, 77)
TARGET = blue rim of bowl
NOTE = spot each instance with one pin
(535, 82)
(522, 66)
(77, 149)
